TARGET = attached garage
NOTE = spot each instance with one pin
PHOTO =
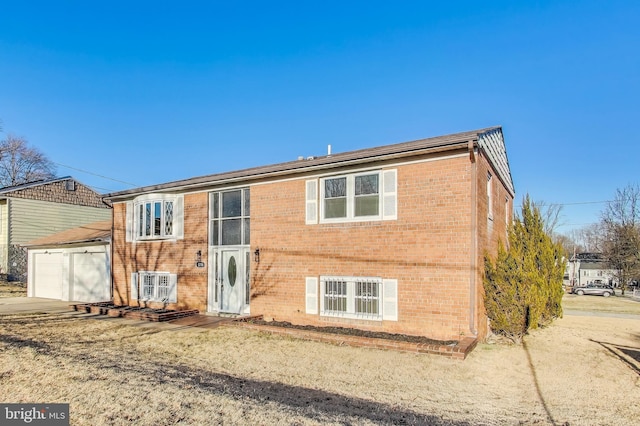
(48, 274)
(74, 265)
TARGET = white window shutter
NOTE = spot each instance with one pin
(129, 212)
(173, 288)
(312, 295)
(311, 202)
(390, 194)
(178, 217)
(390, 300)
(134, 286)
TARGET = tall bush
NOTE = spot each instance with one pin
(523, 285)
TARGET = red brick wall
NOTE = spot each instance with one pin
(428, 249)
(177, 257)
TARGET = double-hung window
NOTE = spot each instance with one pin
(352, 197)
(351, 297)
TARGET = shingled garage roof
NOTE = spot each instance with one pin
(489, 139)
(96, 231)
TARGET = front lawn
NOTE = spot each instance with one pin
(112, 372)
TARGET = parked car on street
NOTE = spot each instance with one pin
(594, 289)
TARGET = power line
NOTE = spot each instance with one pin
(95, 174)
(571, 204)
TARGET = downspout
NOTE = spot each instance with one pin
(474, 239)
(111, 244)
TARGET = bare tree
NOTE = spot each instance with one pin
(621, 224)
(591, 238)
(550, 214)
(21, 163)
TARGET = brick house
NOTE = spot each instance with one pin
(385, 239)
(38, 209)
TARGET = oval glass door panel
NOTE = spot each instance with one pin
(232, 271)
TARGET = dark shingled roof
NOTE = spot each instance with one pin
(326, 162)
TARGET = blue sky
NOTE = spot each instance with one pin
(151, 92)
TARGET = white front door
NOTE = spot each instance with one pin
(232, 279)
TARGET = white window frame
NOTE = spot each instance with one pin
(216, 219)
(350, 198)
(159, 293)
(350, 297)
(139, 225)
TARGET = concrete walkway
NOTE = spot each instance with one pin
(29, 305)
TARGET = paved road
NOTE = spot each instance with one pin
(600, 314)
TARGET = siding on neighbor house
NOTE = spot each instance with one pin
(4, 236)
(37, 209)
(31, 219)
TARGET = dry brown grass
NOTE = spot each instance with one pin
(112, 372)
(12, 289)
(617, 304)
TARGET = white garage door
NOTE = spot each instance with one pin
(48, 275)
(90, 278)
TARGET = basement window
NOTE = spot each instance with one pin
(351, 297)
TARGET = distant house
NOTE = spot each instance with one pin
(587, 268)
(42, 208)
(386, 239)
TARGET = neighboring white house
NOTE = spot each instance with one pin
(587, 268)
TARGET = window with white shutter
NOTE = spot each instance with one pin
(311, 292)
(154, 286)
(355, 197)
(311, 202)
(369, 298)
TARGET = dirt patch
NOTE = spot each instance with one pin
(355, 332)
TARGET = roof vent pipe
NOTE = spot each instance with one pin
(329, 150)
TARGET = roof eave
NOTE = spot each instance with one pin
(293, 168)
(67, 243)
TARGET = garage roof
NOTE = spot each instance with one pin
(96, 231)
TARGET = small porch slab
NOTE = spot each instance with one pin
(132, 312)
